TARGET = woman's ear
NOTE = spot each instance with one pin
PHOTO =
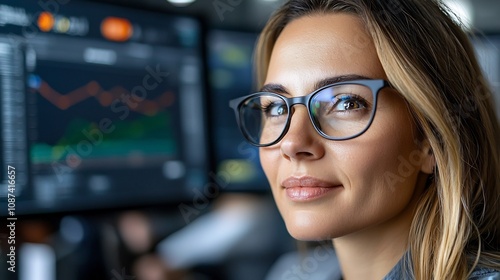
(428, 160)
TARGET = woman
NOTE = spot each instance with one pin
(377, 131)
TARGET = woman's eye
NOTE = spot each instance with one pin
(275, 109)
(348, 103)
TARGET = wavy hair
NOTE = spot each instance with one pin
(430, 60)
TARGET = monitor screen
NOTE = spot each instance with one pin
(101, 106)
(231, 76)
(487, 49)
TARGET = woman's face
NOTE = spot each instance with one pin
(326, 189)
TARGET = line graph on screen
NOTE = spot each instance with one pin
(147, 129)
(104, 97)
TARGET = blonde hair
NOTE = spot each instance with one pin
(429, 59)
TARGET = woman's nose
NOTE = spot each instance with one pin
(302, 141)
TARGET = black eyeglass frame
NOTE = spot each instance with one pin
(375, 86)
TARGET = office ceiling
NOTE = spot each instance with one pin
(251, 15)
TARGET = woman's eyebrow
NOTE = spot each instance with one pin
(338, 79)
(278, 88)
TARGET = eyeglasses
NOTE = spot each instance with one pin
(339, 111)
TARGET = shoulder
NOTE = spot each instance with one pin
(481, 273)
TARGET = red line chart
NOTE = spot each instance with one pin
(105, 98)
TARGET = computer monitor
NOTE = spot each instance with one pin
(231, 75)
(101, 106)
(487, 49)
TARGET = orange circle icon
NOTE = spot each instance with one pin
(116, 29)
(45, 21)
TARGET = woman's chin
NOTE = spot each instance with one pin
(313, 226)
(310, 233)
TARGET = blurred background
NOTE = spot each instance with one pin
(127, 159)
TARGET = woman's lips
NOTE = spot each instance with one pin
(306, 193)
(306, 188)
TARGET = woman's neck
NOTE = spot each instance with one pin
(372, 253)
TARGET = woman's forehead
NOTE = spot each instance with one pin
(319, 46)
